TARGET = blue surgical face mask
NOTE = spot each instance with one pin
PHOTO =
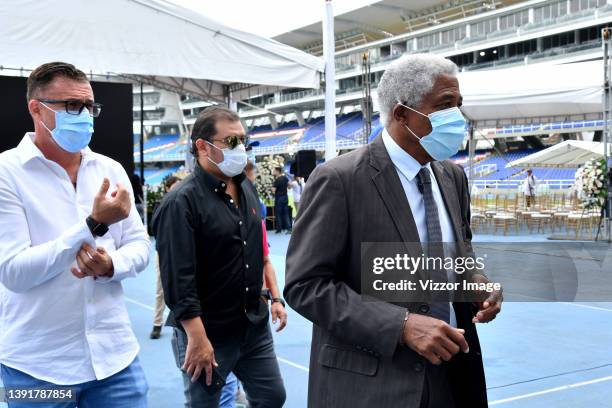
(447, 133)
(72, 132)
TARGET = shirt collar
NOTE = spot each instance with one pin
(212, 182)
(403, 161)
(27, 150)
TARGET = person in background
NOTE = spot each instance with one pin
(211, 263)
(136, 183)
(160, 305)
(529, 188)
(281, 201)
(69, 235)
(297, 186)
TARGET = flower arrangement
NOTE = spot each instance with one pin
(265, 179)
(590, 184)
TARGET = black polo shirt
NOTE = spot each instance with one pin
(210, 253)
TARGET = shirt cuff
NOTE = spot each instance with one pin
(77, 235)
(121, 269)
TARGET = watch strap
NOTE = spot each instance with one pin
(279, 300)
(97, 228)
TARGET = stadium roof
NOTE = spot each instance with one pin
(387, 18)
(151, 41)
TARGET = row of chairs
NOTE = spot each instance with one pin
(548, 213)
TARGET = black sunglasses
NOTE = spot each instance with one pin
(75, 106)
(231, 141)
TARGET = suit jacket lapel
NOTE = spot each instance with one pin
(449, 192)
(387, 182)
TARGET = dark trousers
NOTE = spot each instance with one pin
(437, 392)
(281, 213)
(250, 357)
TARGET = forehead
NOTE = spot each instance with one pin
(445, 86)
(226, 127)
(65, 88)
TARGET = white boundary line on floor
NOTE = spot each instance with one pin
(587, 306)
(283, 360)
(129, 300)
(292, 364)
(551, 390)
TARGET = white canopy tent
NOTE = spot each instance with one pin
(537, 90)
(567, 154)
(152, 41)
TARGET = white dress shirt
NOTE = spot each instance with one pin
(407, 168)
(54, 326)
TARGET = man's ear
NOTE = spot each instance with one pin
(34, 108)
(400, 114)
(202, 147)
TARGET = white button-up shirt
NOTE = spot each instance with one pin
(54, 326)
(407, 168)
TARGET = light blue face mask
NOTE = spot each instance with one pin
(72, 132)
(447, 132)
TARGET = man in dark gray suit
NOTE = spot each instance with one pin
(400, 188)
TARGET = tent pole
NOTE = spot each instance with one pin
(606, 35)
(472, 149)
(142, 179)
(329, 45)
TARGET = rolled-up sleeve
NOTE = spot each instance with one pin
(173, 227)
(23, 265)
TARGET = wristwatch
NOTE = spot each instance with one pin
(97, 228)
(279, 300)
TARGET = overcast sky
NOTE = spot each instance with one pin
(268, 17)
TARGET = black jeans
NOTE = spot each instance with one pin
(281, 213)
(251, 358)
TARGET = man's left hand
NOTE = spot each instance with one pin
(490, 306)
(278, 313)
(94, 262)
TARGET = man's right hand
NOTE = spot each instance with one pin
(109, 210)
(433, 339)
(199, 357)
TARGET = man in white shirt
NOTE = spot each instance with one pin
(65, 246)
(529, 188)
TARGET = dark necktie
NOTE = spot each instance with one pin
(435, 248)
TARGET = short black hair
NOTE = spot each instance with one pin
(170, 180)
(205, 125)
(279, 169)
(44, 74)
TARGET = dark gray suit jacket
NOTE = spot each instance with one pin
(355, 358)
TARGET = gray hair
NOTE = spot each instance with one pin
(409, 79)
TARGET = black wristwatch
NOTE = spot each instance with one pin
(279, 300)
(97, 229)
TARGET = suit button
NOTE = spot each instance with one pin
(418, 367)
(424, 308)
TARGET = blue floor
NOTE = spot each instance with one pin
(536, 354)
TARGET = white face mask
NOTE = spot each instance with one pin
(234, 160)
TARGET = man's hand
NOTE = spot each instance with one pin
(199, 357)
(93, 262)
(109, 210)
(433, 339)
(278, 313)
(490, 306)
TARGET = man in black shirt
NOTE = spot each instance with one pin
(211, 262)
(281, 201)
